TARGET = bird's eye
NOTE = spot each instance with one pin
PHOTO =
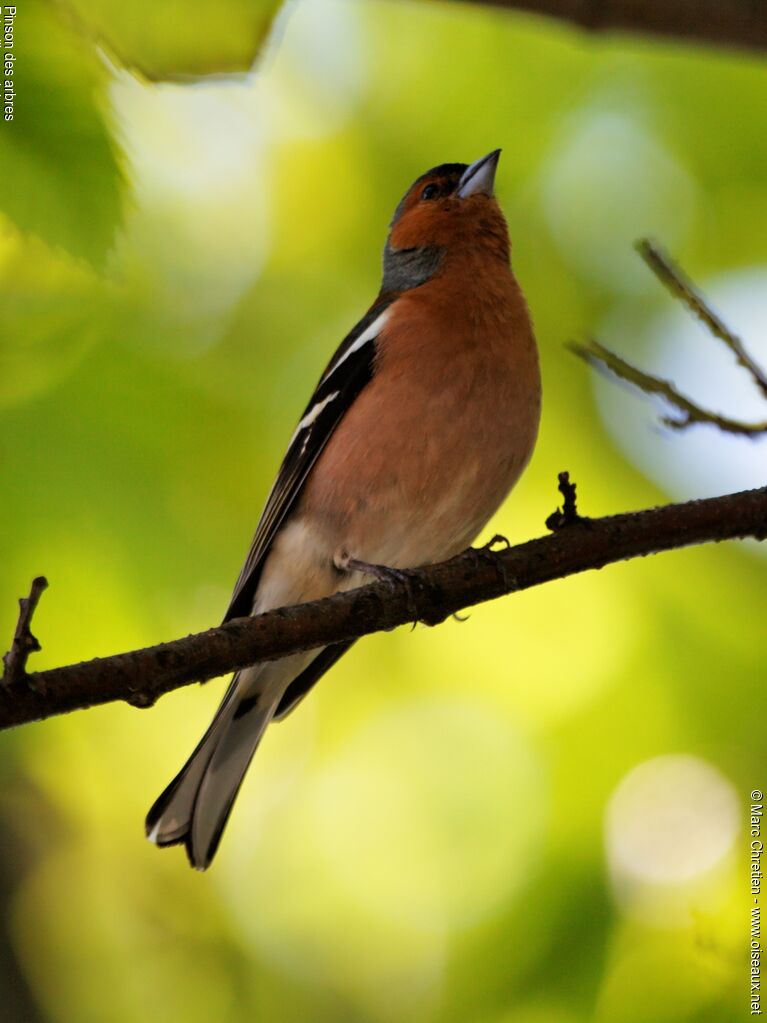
(430, 192)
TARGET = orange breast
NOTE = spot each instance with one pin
(437, 439)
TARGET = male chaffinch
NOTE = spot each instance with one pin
(422, 422)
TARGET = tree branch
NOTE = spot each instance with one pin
(683, 289)
(689, 412)
(141, 676)
(737, 23)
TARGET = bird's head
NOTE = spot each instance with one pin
(447, 213)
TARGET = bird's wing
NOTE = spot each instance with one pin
(350, 369)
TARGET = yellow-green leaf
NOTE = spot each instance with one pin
(176, 39)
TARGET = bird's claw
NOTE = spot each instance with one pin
(393, 577)
(486, 554)
(493, 541)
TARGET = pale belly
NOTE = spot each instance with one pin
(418, 464)
(406, 493)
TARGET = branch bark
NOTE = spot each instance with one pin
(735, 23)
(141, 676)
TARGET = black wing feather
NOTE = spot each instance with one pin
(309, 677)
(345, 376)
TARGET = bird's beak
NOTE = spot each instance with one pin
(479, 178)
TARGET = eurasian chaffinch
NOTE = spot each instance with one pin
(420, 425)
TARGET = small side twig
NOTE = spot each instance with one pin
(567, 515)
(24, 643)
(682, 288)
(688, 411)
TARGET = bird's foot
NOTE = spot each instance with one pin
(486, 554)
(393, 577)
(493, 542)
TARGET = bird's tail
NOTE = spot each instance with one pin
(196, 805)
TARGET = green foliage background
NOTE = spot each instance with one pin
(428, 839)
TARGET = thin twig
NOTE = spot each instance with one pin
(141, 676)
(567, 515)
(689, 412)
(24, 643)
(682, 288)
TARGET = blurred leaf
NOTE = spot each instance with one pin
(61, 177)
(174, 39)
(50, 315)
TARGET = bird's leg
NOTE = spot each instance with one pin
(393, 577)
(345, 563)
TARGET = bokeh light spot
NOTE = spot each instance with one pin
(670, 824)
